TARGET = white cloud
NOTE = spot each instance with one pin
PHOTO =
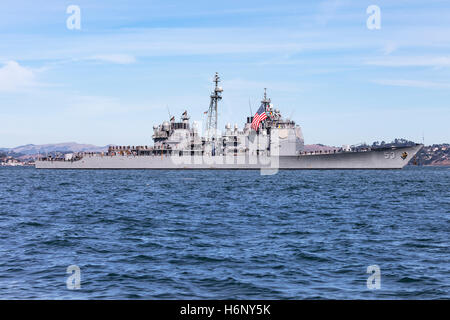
(14, 77)
(389, 47)
(238, 84)
(114, 58)
(443, 61)
(83, 106)
(126, 44)
(414, 83)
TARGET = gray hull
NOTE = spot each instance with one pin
(376, 159)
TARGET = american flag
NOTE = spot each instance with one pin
(259, 116)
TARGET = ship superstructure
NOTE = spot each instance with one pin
(180, 138)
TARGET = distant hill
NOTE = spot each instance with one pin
(434, 155)
(31, 149)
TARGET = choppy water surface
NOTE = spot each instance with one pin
(224, 234)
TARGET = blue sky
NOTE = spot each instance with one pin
(113, 79)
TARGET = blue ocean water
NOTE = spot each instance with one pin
(224, 234)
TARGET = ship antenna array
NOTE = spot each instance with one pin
(211, 125)
(265, 102)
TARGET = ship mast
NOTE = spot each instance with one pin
(265, 101)
(211, 126)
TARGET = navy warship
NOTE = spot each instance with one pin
(267, 142)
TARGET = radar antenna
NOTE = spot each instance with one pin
(211, 125)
